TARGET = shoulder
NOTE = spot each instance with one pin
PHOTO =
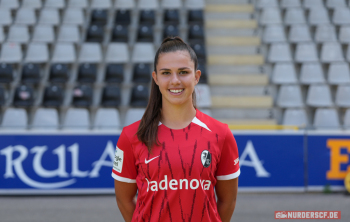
(214, 125)
(131, 130)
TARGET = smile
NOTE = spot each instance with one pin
(176, 90)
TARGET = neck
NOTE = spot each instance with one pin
(177, 117)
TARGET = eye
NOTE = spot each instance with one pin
(165, 73)
(183, 72)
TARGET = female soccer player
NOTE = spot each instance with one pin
(175, 155)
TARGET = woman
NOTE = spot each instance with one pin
(175, 155)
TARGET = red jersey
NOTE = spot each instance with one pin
(176, 181)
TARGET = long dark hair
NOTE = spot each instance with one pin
(147, 132)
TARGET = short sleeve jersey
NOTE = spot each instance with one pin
(176, 181)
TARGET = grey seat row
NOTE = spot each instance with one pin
(301, 3)
(318, 95)
(301, 33)
(308, 52)
(66, 53)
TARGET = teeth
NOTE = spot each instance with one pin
(176, 90)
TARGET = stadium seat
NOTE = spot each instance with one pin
(274, 33)
(171, 4)
(11, 53)
(101, 4)
(306, 52)
(124, 4)
(5, 17)
(170, 30)
(49, 16)
(171, 16)
(59, 73)
(313, 4)
(311, 73)
(319, 96)
(2, 34)
(199, 49)
(90, 52)
(33, 4)
(87, 73)
(318, 16)
(290, 96)
(45, 118)
(53, 96)
(290, 4)
(99, 17)
(95, 33)
(120, 33)
(196, 32)
(270, 16)
(82, 95)
(68, 33)
(143, 52)
(117, 53)
(15, 118)
(114, 73)
(339, 73)
(284, 73)
(43, 33)
(25, 16)
(348, 53)
(325, 33)
(145, 33)
(59, 4)
(266, 3)
(2, 96)
(24, 96)
(133, 115)
(342, 97)
(9, 4)
(194, 4)
(203, 96)
(294, 16)
(344, 34)
(280, 52)
(142, 73)
(73, 16)
(111, 96)
(202, 67)
(123, 16)
(64, 53)
(37, 53)
(299, 33)
(331, 52)
(18, 33)
(148, 4)
(341, 16)
(76, 118)
(195, 16)
(139, 96)
(6, 73)
(326, 119)
(347, 119)
(336, 4)
(31, 73)
(295, 117)
(107, 119)
(78, 4)
(147, 17)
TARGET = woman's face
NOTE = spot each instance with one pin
(176, 77)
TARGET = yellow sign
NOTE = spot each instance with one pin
(337, 158)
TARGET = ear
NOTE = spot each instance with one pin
(197, 75)
(154, 76)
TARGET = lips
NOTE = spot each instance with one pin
(176, 91)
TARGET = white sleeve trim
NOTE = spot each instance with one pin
(230, 176)
(123, 179)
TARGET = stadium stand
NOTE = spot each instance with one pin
(263, 62)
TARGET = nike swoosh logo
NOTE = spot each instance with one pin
(147, 161)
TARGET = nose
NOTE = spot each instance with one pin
(175, 80)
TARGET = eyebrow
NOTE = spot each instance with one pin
(182, 68)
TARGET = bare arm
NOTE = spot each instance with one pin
(125, 193)
(226, 191)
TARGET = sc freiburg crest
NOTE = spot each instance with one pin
(206, 158)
